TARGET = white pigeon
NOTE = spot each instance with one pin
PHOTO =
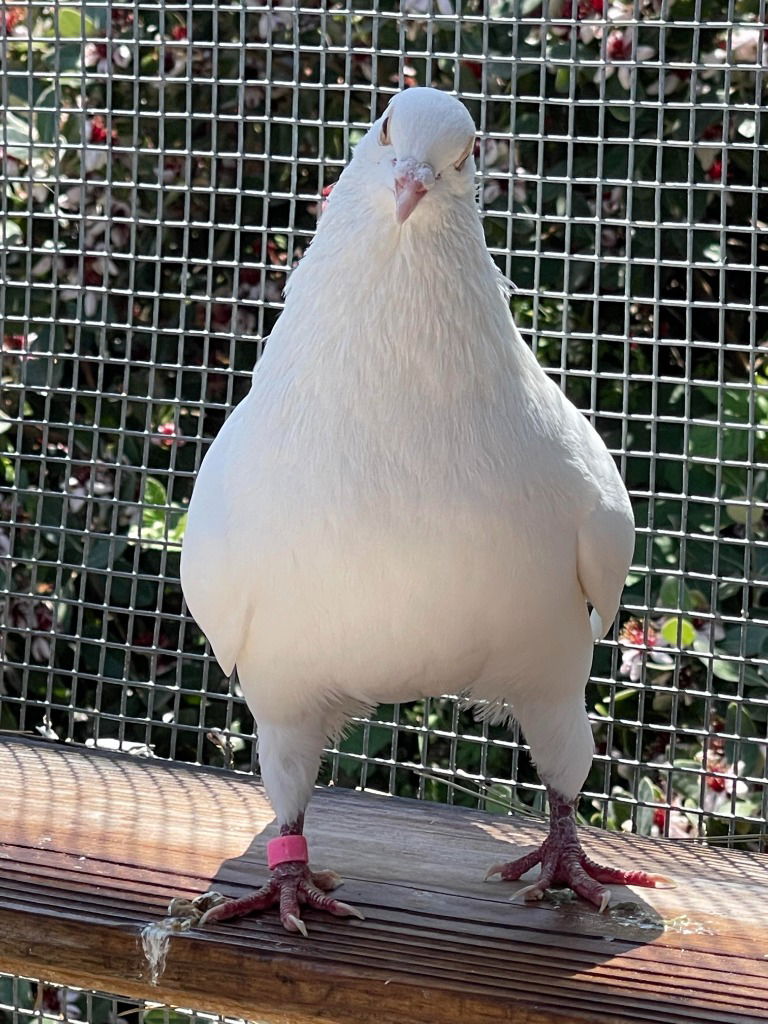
(405, 505)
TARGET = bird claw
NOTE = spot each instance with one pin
(494, 869)
(662, 882)
(296, 925)
(564, 863)
(528, 894)
(346, 910)
(292, 884)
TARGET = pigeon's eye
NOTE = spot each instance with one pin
(465, 155)
(384, 133)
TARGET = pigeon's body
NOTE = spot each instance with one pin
(404, 505)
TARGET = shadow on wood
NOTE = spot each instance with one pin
(93, 845)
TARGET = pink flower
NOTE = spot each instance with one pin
(723, 781)
(715, 171)
(673, 823)
(40, 649)
(636, 640)
(173, 167)
(96, 131)
(15, 342)
(169, 436)
(97, 139)
(96, 273)
(742, 46)
(588, 13)
(707, 155)
(424, 7)
(86, 481)
(475, 67)
(277, 19)
(410, 76)
(620, 49)
(61, 1002)
(103, 55)
(10, 164)
(27, 615)
(14, 20)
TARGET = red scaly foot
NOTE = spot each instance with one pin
(564, 863)
(292, 884)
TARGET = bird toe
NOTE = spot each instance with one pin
(293, 923)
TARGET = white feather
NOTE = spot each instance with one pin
(405, 504)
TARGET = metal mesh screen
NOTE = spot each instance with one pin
(162, 172)
(23, 1000)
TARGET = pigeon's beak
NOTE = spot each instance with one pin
(412, 182)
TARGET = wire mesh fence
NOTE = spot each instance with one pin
(163, 168)
(24, 1000)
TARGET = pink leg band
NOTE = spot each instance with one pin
(286, 848)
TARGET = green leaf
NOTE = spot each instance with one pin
(15, 991)
(176, 534)
(366, 739)
(154, 492)
(47, 107)
(669, 596)
(687, 783)
(524, 8)
(102, 552)
(8, 470)
(162, 524)
(98, 15)
(18, 136)
(744, 514)
(165, 1015)
(726, 670)
(10, 232)
(499, 798)
(753, 636)
(74, 23)
(644, 818)
(739, 723)
(679, 632)
(619, 811)
(41, 368)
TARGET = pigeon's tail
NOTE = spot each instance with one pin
(598, 629)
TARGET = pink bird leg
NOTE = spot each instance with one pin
(292, 885)
(564, 863)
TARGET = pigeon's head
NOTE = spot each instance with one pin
(421, 146)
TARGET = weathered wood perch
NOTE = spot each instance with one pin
(93, 846)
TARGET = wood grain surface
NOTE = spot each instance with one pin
(94, 845)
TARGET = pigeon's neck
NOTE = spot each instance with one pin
(424, 300)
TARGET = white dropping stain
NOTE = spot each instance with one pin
(632, 915)
(685, 926)
(155, 941)
(183, 915)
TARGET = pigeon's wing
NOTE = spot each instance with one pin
(606, 541)
(606, 537)
(211, 570)
(209, 589)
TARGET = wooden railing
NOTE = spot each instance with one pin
(94, 845)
